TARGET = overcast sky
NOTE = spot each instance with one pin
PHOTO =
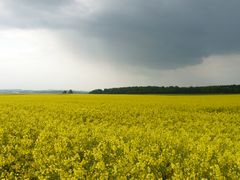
(88, 44)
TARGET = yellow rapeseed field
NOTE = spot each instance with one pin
(119, 137)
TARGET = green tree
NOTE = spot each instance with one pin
(70, 91)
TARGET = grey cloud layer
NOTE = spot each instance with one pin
(154, 33)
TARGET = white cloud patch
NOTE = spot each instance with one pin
(215, 70)
(33, 59)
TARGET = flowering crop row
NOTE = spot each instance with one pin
(119, 137)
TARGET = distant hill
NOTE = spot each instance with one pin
(226, 89)
(21, 91)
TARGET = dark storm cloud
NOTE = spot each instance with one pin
(36, 14)
(154, 33)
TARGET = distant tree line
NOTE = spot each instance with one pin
(67, 92)
(227, 89)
